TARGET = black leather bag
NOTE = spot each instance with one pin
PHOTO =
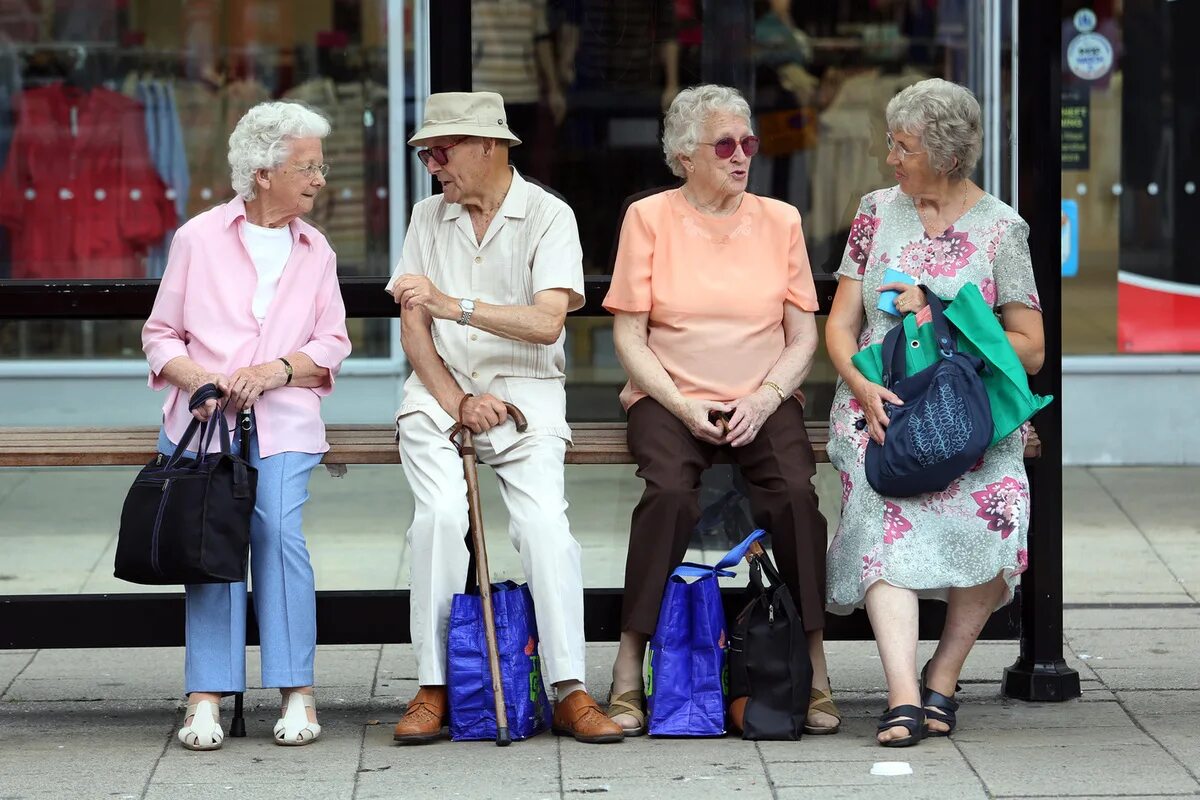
(945, 424)
(187, 520)
(770, 672)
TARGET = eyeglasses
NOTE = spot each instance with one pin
(311, 170)
(726, 147)
(438, 154)
(892, 144)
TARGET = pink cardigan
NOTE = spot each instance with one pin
(203, 311)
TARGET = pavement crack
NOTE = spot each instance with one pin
(19, 673)
(362, 742)
(762, 760)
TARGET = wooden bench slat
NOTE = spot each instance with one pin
(595, 443)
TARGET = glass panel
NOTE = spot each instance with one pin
(114, 127)
(1130, 178)
(354, 527)
(587, 80)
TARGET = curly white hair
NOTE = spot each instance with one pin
(262, 140)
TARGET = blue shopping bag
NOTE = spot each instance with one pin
(686, 680)
(469, 678)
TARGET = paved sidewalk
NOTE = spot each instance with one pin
(101, 723)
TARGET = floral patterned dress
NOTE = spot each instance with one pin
(976, 528)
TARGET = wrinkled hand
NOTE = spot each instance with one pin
(250, 383)
(205, 412)
(696, 417)
(417, 291)
(483, 413)
(872, 396)
(749, 415)
(911, 298)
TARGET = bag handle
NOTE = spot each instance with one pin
(690, 570)
(895, 366)
(202, 395)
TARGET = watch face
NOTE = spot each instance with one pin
(466, 305)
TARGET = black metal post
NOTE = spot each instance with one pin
(1040, 672)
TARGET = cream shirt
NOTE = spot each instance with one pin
(531, 245)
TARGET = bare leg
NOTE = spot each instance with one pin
(196, 697)
(283, 700)
(893, 613)
(816, 653)
(967, 613)
(627, 671)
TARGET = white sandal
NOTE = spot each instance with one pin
(205, 731)
(293, 728)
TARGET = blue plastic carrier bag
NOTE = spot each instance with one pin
(469, 678)
(686, 679)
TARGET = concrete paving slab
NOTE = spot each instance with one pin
(907, 787)
(11, 665)
(949, 772)
(109, 674)
(1009, 767)
(1176, 733)
(668, 759)
(1147, 618)
(1146, 703)
(218, 788)
(686, 788)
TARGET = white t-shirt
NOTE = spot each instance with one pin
(269, 250)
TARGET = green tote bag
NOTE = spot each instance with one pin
(980, 334)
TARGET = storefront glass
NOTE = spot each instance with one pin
(1131, 110)
(587, 81)
(114, 122)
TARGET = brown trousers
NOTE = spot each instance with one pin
(778, 467)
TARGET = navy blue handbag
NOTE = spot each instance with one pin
(945, 424)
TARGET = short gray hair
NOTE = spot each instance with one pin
(947, 118)
(689, 111)
(262, 139)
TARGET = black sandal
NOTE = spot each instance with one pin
(911, 718)
(938, 707)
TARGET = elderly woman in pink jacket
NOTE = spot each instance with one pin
(250, 302)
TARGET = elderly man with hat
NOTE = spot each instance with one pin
(490, 268)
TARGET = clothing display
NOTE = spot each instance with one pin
(165, 137)
(976, 528)
(78, 193)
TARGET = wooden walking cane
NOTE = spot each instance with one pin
(466, 449)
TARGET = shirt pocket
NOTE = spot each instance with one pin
(543, 401)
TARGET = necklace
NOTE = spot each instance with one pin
(962, 207)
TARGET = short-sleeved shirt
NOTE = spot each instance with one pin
(714, 287)
(531, 245)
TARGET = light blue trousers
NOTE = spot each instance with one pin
(284, 589)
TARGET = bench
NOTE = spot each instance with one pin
(343, 617)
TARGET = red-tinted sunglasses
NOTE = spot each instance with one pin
(438, 154)
(725, 148)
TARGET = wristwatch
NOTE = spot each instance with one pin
(466, 309)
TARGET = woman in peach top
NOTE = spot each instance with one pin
(714, 302)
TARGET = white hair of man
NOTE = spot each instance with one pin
(262, 140)
(688, 114)
(947, 118)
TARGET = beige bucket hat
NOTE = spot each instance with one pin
(465, 114)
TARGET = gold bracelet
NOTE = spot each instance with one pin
(777, 389)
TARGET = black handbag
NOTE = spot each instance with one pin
(945, 424)
(187, 520)
(770, 672)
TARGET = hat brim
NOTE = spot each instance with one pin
(486, 131)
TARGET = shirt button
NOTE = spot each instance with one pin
(474, 374)
(474, 338)
(478, 259)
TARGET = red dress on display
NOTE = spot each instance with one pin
(79, 193)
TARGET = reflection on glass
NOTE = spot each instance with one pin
(115, 119)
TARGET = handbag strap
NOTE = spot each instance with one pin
(689, 570)
(895, 366)
(208, 391)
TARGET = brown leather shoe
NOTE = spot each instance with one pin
(578, 715)
(425, 719)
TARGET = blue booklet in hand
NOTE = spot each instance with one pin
(887, 300)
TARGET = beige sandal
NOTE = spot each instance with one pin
(822, 702)
(632, 703)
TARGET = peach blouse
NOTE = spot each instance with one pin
(715, 289)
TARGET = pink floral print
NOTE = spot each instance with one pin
(894, 523)
(872, 566)
(862, 233)
(1002, 504)
(987, 288)
(944, 256)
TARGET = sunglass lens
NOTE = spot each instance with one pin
(724, 147)
(424, 156)
(749, 145)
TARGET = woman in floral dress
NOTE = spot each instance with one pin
(964, 545)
